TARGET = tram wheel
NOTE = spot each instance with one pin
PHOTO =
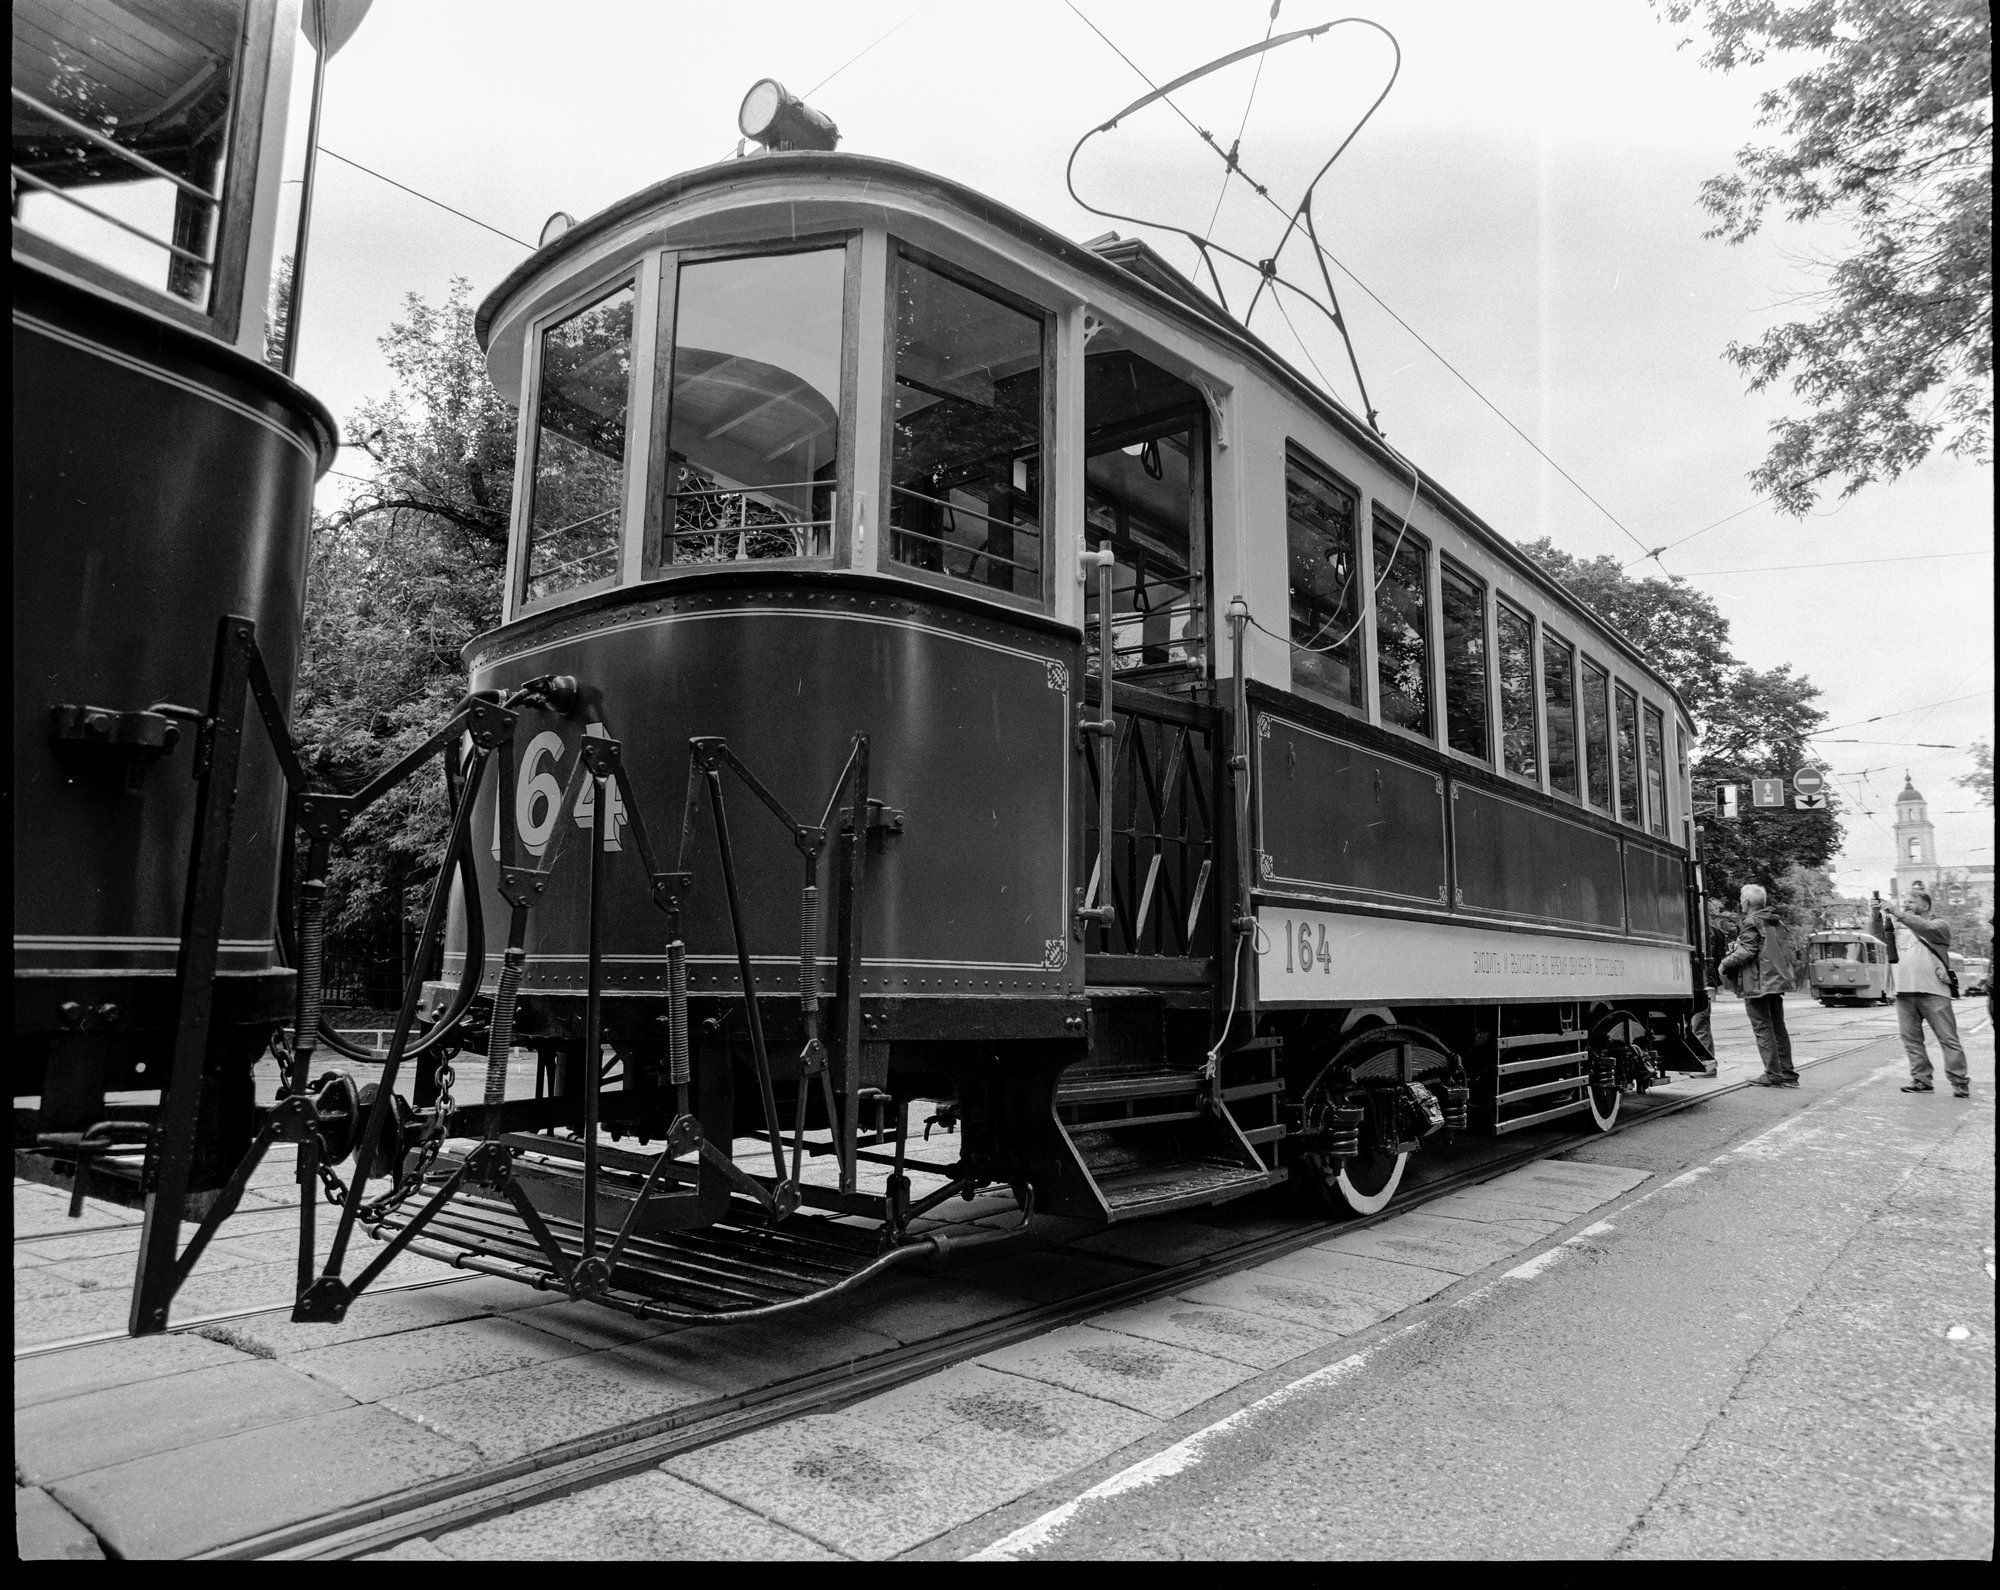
(1610, 1043)
(1363, 1183)
(1367, 1182)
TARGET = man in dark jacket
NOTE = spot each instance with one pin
(1761, 968)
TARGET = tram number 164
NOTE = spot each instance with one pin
(1308, 952)
(538, 792)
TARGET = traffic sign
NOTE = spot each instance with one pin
(1767, 792)
(1810, 803)
(1807, 781)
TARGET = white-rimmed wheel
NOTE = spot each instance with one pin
(1616, 1057)
(1367, 1182)
(1366, 1063)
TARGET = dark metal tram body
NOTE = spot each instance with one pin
(823, 456)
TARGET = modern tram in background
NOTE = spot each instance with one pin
(1849, 968)
(940, 661)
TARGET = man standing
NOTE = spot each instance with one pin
(1761, 966)
(1923, 994)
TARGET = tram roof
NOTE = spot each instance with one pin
(1188, 306)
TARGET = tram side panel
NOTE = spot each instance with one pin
(160, 481)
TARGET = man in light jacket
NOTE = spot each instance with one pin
(1761, 968)
(1923, 994)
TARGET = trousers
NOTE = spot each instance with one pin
(1767, 1021)
(1916, 1011)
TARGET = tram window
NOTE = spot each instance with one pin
(1686, 789)
(1597, 734)
(1656, 770)
(754, 437)
(578, 507)
(1517, 691)
(138, 191)
(1146, 496)
(965, 489)
(1628, 755)
(1402, 625)
(1324, 571)
(1465, 709)
(1559, 700)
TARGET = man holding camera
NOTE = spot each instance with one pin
(1924, 989)
(1761, 968)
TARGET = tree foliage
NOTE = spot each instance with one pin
(1888, 131)
(1749, 722)
(399, 580)
(1980, 779)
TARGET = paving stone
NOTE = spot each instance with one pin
(1434, 1241)
(371, 1316)
(651, 1517)
(1321, 1308)
(1573, 1184)
(518, 1411)
(38, 1209)
(1046, 1277)
(82, 1370)
(46, 1280)
(101, 1428)
(1025, 1428)
(1493, 1209)
(726, 1359)
(592, 1324)
(1258, 1340)
(45, 1531)
(66, 1315)
(843, 1483)
(418, 1550)
(915, 1308)
(438, 1356)
(174, 1504)
(1396, 1284)
(1157, 1242)
(1150, 1376)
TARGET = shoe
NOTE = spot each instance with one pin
(1961, 1093)
(1789, 1082)
(1765, 1082)
(1918, 1087)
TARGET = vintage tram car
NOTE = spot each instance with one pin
(1849, 968)
(163, 481)
(1206, 798)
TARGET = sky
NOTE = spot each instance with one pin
(1524, 201)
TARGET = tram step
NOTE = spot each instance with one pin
(1185, 1184)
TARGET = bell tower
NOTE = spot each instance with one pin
(1916, 843)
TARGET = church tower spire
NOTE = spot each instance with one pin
(1916, 842)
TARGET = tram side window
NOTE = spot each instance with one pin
(1402, 625)
(1559, 700)
(1517, 691)
(1597, 734)
(1685, 787)
(121, 135)
(1465, 711)
(965, 491)
(754, 437)
(1325, 592)
(1656, 770)
(1628, 755)
(578, 507)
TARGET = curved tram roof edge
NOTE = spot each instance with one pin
(1209, 322)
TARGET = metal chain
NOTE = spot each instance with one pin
(337, 1192)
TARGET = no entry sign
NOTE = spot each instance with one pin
(1807, 782)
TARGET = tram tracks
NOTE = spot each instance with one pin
(455, 1502)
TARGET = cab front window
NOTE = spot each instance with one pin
(577, 511)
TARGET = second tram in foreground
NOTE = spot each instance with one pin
(1202, 797)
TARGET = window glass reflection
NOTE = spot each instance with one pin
(1559, 697)
(1656, 770)
(1597, 734)
(1517, 691)
(578, 506)
(1402, 626)
(1464, 663)
(1628, 755)
(754, 433)
(1324, 571)
(965, 494)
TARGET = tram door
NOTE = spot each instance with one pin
(1147, 498)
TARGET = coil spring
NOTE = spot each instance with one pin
(500, 1044)
(677, 1014)
(809, 949)
(1457, 1102)
(312, 962)
(1343, 1131)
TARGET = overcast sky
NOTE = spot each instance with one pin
(1525, 200)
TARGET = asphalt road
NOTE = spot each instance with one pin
(1784, 1348)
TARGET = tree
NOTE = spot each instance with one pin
(1980, 779)
(398, 581)
(1889, 130)
(1749, 723)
